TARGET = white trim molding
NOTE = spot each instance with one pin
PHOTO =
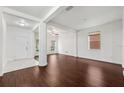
(53, 13)
(20, 14)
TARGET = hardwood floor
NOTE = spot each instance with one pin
(66, 71)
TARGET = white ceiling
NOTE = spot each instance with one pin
(80, 17)
(12, 20)
(36, 11)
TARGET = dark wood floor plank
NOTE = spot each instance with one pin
(66, 71)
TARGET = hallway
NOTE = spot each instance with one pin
(67, 71)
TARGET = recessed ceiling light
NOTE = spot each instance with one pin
(84, 19)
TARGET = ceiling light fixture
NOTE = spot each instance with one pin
(22, 23)
(53, 31)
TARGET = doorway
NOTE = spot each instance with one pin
(36, 44)
(52, 40)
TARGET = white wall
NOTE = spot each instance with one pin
(1, 42)
(12, 33)
(111, 42)
(123, 42)
(67, 42)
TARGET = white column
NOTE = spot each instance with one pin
(123, 40)
(42, 44)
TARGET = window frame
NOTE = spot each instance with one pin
(94, 33)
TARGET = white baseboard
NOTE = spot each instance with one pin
(20, 64)
(1, 74)
(67, 54)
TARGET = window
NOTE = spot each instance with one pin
(94, 40)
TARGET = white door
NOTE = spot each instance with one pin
(21, 47)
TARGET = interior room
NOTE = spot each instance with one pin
(78, 26)
(19, 43)
(62, 46)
